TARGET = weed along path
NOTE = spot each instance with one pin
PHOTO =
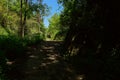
(45, 63)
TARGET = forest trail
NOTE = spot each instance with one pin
(45, 63)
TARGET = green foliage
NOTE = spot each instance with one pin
(33, 39)
(12, 46)
(3, 31)
(10, 16)
(92, 41)
(55, 30)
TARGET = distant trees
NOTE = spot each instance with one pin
(55, 30)
(54, 25)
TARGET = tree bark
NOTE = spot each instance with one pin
(25, 18)
(21, 22)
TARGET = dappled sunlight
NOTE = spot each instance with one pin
(33, 56)
(53, 57)
(80, 77)
(49, 51)
(45, 63)
(10, 62)
(59, 40)
(46, 47)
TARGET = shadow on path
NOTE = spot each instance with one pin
(45, 63)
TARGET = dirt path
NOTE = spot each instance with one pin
(45, 63)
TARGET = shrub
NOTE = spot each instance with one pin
(33, 39)
(12, 46)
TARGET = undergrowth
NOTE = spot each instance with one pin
(13, 47)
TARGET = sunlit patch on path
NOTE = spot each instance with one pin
(45, 63)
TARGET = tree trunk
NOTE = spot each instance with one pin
(21, 22)
(25, 18)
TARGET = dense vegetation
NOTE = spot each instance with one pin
(21, 25)
(55, 31)
(92, 42)
(89, 28)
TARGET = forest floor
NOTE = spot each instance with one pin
(43, 62)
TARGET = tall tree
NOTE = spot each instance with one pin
(22, 17)
(38, 9)
(21, 21)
